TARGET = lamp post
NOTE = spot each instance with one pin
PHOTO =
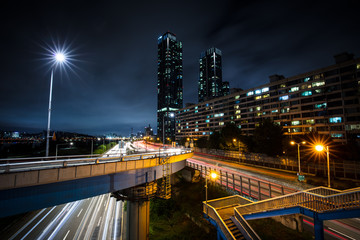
(298, 147)
(56, 153)
(170, 115)
(212, 175)
(58, 58)
(234, 140)
(320, 148)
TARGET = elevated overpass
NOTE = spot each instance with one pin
(28, 185)
(230, 214)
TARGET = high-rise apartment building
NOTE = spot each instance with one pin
(325, 100)
(210, 76)
(169, 85)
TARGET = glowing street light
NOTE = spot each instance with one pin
(213, 176)
(298, 145)
(320, 148)
(59, 58)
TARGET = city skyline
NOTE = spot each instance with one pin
(113, 87)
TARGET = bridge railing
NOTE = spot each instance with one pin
(213, 214)
(245, 227)
(318, 203)
(17, 165)
(245, 185)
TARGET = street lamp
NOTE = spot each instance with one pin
(59, 58)
(234, 140)
(320, 148)
(56, 153)
(298, 147)
(213, 176)
(170, 115)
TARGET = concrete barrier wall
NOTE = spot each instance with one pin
(45, 176)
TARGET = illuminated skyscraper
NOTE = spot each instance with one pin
(170, 88)
(210, 77)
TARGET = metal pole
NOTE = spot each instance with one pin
(206, 194)
(328, 164)
(49, 114)
(299, 157)
(92, 146)
(56, 151)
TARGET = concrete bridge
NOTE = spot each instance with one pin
(30, 185)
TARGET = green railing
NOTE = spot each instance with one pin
(331, 200)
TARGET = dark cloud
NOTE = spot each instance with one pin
(113, 88)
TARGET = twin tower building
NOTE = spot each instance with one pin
(170, 86)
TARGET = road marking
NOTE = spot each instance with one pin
(66, 234)
(79, 212)
(99, 222)
(27, 224)
(38, 223)
(341, 233)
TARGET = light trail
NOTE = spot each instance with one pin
(27, 224)
(38, 223)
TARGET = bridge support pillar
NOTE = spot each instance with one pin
(318, 229)
(138, 209)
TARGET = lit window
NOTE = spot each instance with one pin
(266, 95)
(238, 116)
(306, 93)
(207, 120)
(265, 89)
(283, 85)
(310, 121)
(221, 123)
(337, 135)
(282, 98)
(258, 91)
(257, 97)
(294, 89)
(250, 93)
(258, 108)
(274, 111)
(294, 123)
(196, 130)
(318, 84)
(258, 114)
(237, 111)
(306, 79)
(237, 97)
(335, 120)
(320, 105)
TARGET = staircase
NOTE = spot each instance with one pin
(165, 188)
(233, 229)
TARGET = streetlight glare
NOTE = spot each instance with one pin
(319, 148)
(213, 175)
(292, 142)
(60, 57)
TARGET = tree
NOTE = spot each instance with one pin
(268, 138)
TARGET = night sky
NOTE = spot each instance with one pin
(111, 86)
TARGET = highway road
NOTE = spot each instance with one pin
(334, 229)
(99, 217)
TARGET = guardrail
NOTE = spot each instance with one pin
(245, 185)
(343, 200)
(26, 164)
(212, 213)
(245, 227)
(340, 169)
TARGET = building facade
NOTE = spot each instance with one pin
(325, 100)
(210, 83)
(169, 84)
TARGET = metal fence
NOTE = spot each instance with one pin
(244, 185)
(340, 169)
(349, 199)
